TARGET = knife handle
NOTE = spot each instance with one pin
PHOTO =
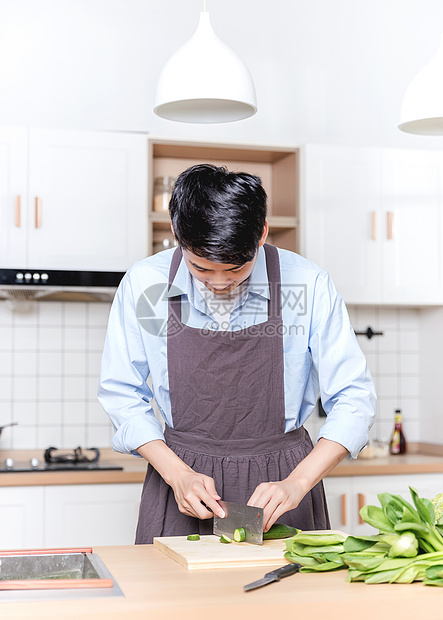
(284, 571)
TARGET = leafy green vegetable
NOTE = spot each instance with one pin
(407, 548)
(437, 503)
(375, 516)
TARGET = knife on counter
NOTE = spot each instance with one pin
(274, 575)
(237, 516)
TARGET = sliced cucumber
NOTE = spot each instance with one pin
(240, 534)
(193, 537)
(225, 539)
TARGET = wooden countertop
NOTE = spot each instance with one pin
(421, 459)
(134, 470)
(156, 587)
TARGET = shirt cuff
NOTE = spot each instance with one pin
(135, 433)
(347, 428)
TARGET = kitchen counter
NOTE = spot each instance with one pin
(134, 470)
(417, 463)
(156, 587)
(421, 459)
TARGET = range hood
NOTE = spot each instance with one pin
(58, 285)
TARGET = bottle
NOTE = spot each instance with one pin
(398, 441)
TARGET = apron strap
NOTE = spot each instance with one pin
(175, 262)
(274, 280)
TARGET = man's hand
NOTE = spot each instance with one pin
(192, 491)
(195, 494)
(276, 498)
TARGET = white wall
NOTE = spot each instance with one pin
(50, 355)
(325, 71)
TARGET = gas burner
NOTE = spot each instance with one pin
(55, 460)
(76, 456)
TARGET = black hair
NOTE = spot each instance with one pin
(217, 214)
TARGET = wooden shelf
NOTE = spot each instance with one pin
(276, 222)
(277, 168)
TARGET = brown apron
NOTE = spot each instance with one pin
(228, 411)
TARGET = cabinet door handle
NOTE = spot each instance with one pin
(361, 503)
(38, 212)
(343, 509)
(17, 212)
(374, 225)
(390, 225)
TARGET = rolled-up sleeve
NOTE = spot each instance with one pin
(346, 387)
(123, 391)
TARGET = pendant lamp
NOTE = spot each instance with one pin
(205, 82)
(422, 107)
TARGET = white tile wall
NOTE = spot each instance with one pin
(50, 360)
(394, 362)
(50, 356)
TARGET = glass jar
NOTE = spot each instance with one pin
(162, 193)
(163, 243)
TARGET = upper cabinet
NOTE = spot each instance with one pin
(13, 196)
(277, 168)
(373, 218)
(72, 199)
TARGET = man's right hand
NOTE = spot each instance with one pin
(194, 493)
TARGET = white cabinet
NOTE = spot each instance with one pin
(21, 517)
(68, 515)
(72, 199)
(91, 514)
(13, 196)
(373, 218)
(412, 205)
(341, 191)
(346, 495)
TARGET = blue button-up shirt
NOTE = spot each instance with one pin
(321, 353)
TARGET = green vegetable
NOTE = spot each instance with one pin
(240, 534)
(225, 539)
(280, 530)
(407, 548)
(193, 537)
(318, 540)
(437, 503)
(316, 552)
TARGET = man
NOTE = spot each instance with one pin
(238, 338)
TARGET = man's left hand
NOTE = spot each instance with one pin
(276, 498)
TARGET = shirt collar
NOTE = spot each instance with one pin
(257, 282)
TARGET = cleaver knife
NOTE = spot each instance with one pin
(240, 515)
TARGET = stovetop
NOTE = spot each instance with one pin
(56, 460)
(8, 467)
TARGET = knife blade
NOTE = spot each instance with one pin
(240, 515)
(274, 575)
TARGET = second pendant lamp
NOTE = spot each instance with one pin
(422, 107)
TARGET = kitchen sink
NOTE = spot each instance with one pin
(54, 574)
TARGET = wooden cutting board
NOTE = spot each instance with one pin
(209, 552)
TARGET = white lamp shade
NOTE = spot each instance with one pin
(205, 82)
(422, 107)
